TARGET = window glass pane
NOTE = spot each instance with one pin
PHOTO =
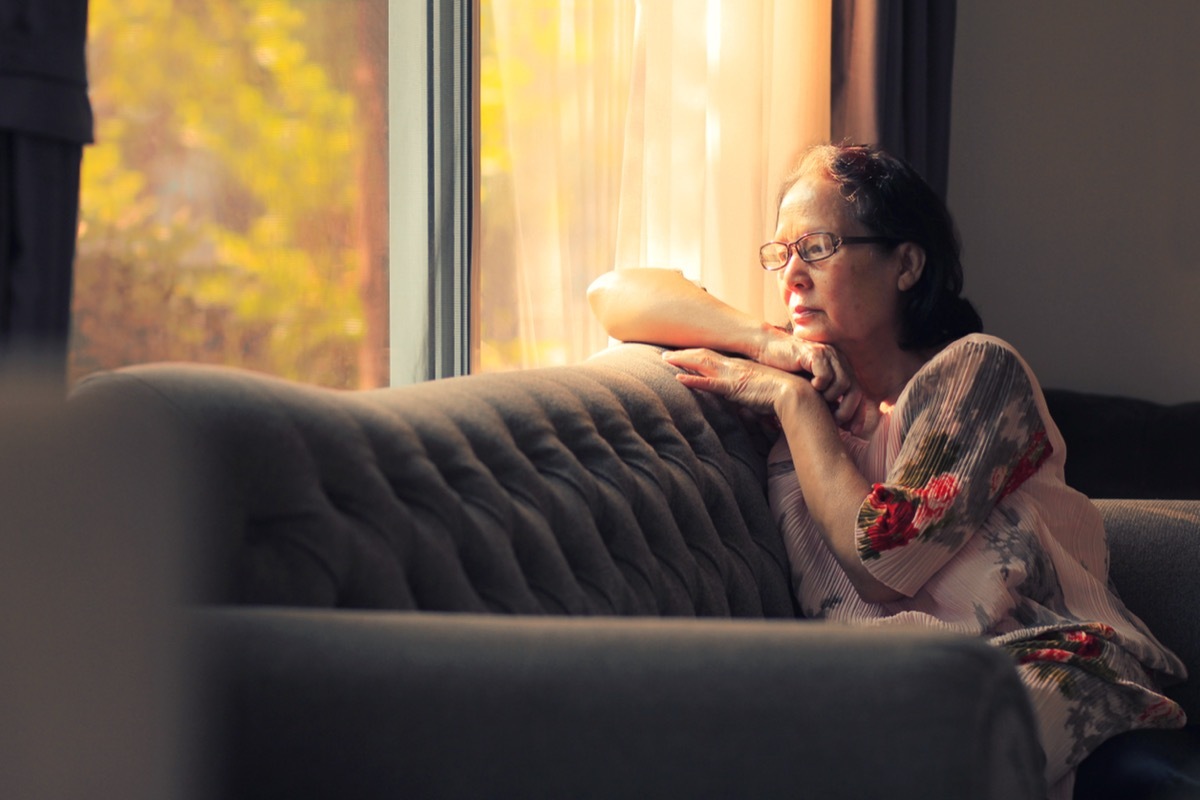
(234, 205)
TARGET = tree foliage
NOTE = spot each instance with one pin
(221, 203)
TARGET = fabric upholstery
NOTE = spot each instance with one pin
(599, 489)
(92, 528)
(1124, 447)
(393, 704)
(1154, 553)
(603, 488)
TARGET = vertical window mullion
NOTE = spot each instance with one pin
(432, 179)
(451, 184)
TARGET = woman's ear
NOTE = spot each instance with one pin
(912, 264)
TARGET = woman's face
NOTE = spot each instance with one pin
(850, 300)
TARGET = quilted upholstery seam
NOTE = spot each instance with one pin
(781, 564)
(535, 586)
(299, 545)
(693, 548)
(633, 565)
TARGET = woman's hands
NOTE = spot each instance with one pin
(760, 387)
(833, 487)
(754, 386)
(831, 375)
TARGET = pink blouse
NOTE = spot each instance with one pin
(970, 518)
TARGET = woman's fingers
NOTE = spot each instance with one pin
(829, 377)
(846, 407)
(832, 378)
(746, 382)
(827, 370)
(756, 386)
(705, 369)
(695, 359)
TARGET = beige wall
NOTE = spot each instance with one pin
(1075, 180)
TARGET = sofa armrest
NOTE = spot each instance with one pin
(1155, 556)
(399, 704)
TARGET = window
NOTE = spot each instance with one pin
(291, 186)
(234, 205)
(618, 133)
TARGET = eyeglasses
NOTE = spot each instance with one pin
(811, 247)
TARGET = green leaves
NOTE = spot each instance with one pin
(221, 204)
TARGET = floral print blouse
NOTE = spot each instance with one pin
(969, 517)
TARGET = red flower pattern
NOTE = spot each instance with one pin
(936, 497)
(1038, 451)
(1073, 646)
(1162, 714)
(1045, 654)
(902, 515)
(893, 527)
(1086, 645)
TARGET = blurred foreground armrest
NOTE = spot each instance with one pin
(93, 521)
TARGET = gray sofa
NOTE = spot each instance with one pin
(561, 582)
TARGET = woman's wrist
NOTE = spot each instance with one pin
(798, 399)
(761, 339)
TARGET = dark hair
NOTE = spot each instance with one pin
(891, 199)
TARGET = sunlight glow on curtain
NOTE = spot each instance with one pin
(554, 93)
(725, 96)
(647, 133)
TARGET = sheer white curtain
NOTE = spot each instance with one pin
(649, 133)
(725, 95)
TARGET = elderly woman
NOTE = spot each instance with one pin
(919, 478)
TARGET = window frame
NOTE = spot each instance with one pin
(433, 175)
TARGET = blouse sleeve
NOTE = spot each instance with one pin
(971, 434)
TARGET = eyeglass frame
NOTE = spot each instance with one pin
(838, 241)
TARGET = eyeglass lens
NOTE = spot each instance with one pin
(812, 247)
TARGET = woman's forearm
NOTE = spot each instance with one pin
(834, 488)
(663, 307)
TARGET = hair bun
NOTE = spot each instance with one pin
(960, 317)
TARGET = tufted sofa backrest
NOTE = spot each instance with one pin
(600, 488)
(1128, 447)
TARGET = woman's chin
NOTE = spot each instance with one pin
(806, 329)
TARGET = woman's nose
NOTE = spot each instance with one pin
(795, 271)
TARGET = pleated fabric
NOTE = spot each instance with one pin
(971, 519)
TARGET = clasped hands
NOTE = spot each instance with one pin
(780, 368)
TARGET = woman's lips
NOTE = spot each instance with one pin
(802, 313)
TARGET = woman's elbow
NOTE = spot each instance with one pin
(866, 585)
(598, 294)
(877, 593)
(603, 298)
(599, 289)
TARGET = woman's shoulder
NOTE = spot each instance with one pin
(976, 346)
(976, 361)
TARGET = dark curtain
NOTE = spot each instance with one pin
(45, 120)
(891, 79)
